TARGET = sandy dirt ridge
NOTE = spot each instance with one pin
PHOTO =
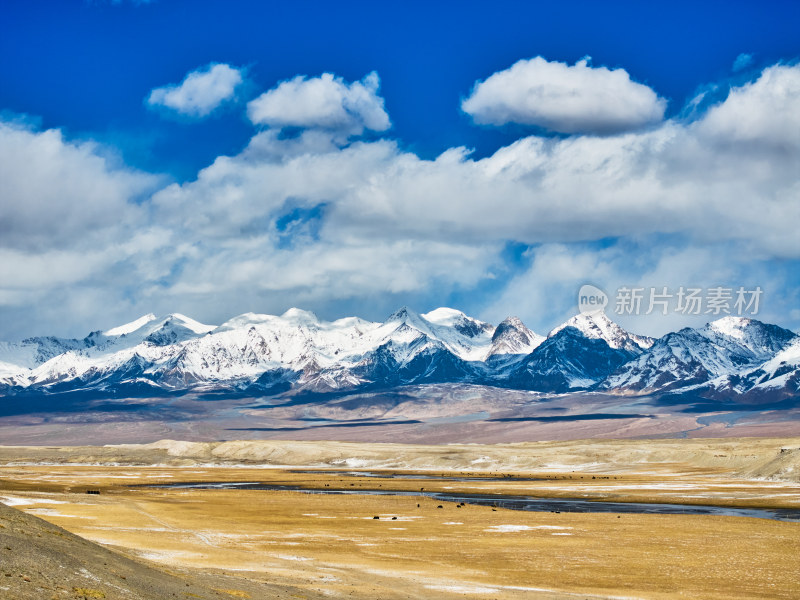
(754, 458)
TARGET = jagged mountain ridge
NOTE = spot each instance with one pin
(709, 355)
(599, 326)
(267, 354)
(568, 360)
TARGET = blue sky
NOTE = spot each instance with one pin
(193, 157)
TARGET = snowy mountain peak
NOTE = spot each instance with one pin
(463, 336)
(450, 317)
(598, 326)
(444, 316)
(150, 325)
(267, 354)
(408, 324)
(246, 320)
(407, 316)
(355, 323)
(731, 326)
(724, 349)
(130, 327)
(163, 331)
(188, 323)
(761, 339)
(513, 337)
(300, 316)
(401, 314)
(509, 323)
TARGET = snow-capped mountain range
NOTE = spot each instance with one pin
(262, 355)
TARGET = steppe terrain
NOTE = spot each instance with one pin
(284, 542)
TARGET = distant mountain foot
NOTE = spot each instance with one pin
(732, 358)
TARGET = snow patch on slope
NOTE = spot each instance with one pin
(130, 327)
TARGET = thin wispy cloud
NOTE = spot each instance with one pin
(742, 61)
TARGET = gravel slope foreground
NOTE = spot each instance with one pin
(40, 561)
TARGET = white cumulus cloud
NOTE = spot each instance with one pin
(200, 92)
(57, 193)
(365, 226)
(764, 113)
(324, 102)
(563, 98)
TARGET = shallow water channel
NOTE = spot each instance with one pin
(515, 502)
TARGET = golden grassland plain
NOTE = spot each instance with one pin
(333, 545)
